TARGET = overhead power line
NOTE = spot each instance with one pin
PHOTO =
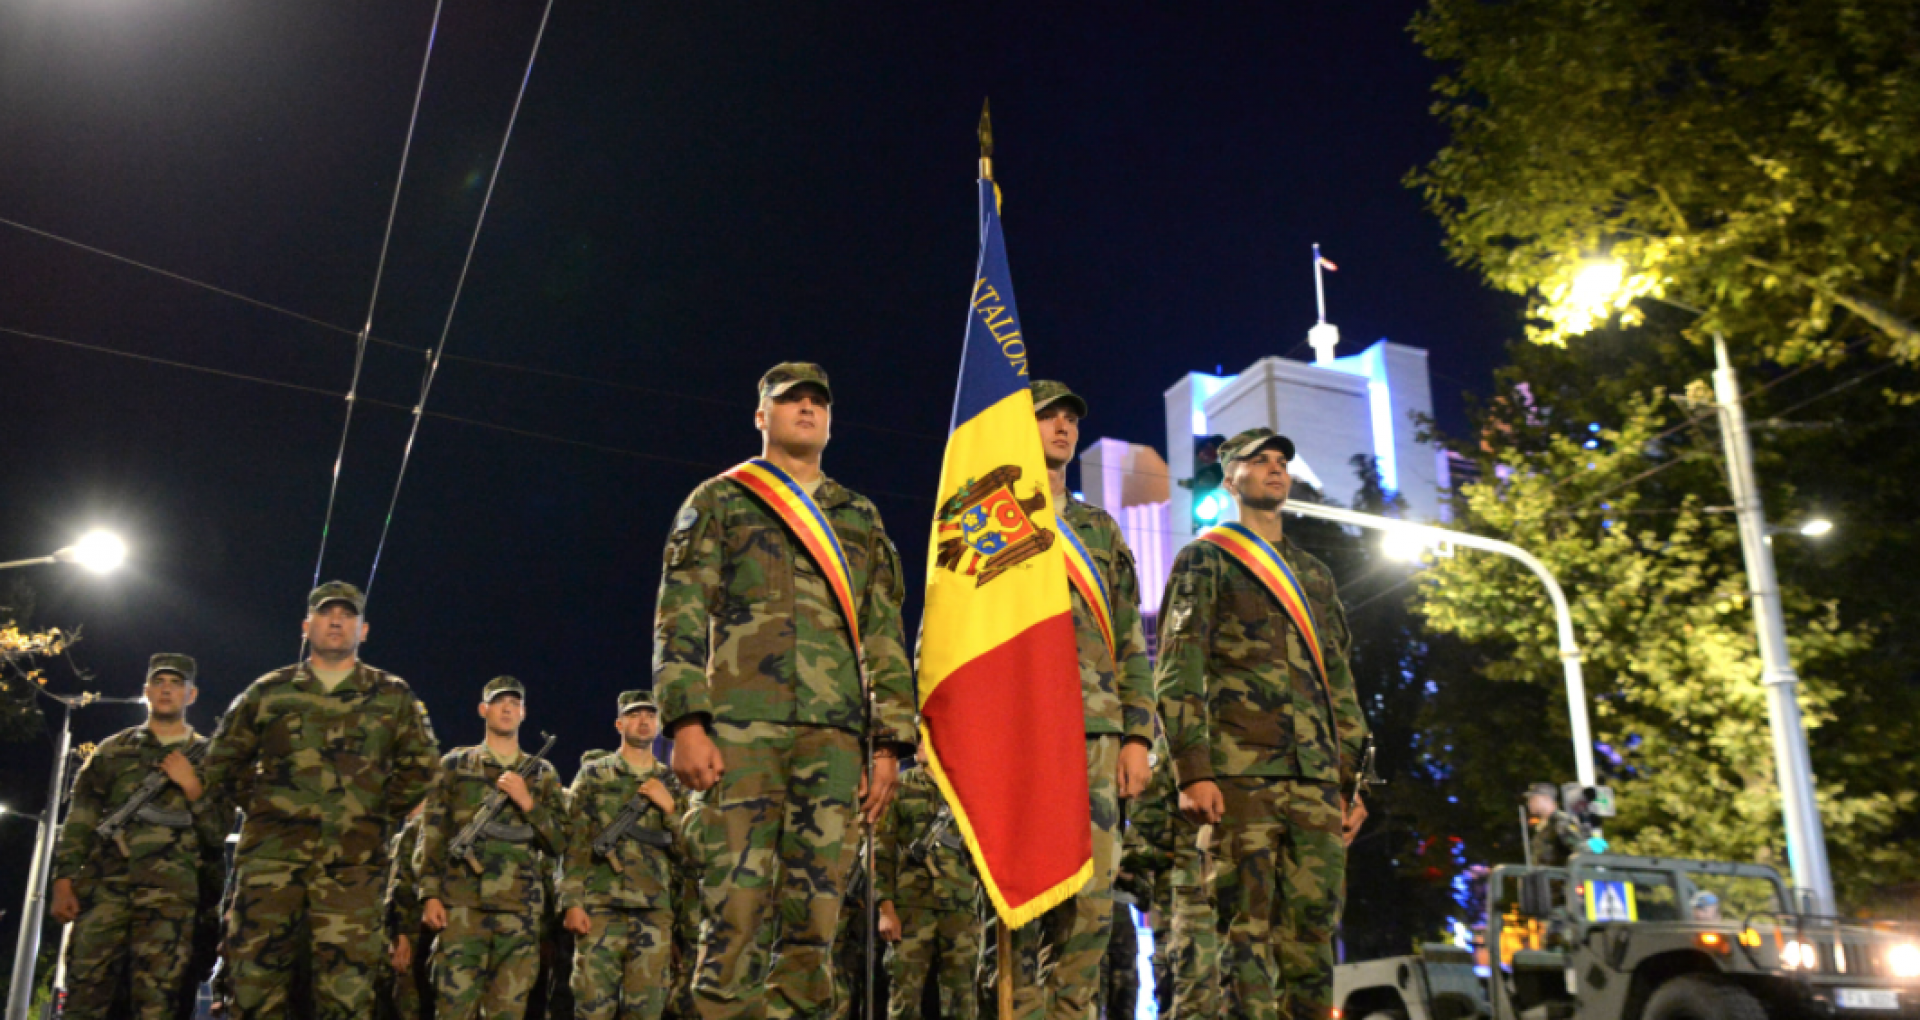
(373, 299)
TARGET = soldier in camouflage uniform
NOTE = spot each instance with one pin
(135, 900)
(488, 917)
(331, 754)
(1175, 853)
(1061, 953)
(758, 682)
(619, 905)
(406, 987)
(1264, 745)
(930, 902)
(1556, 835)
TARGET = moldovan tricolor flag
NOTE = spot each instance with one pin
(1000, 701)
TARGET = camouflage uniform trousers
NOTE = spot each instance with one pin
(279, 904)
(1193, 928)
(1162, 918)
(938, 945)
(623, 966)
(131, 937)
(403, 995)
(1283, 872)
(1120, 973)
(777, 838)
(485, 963)
(1060, 953)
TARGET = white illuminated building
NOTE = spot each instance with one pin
(1333, 410)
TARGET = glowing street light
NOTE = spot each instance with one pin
(98, 551)
(1402, 545)
(1793, 766)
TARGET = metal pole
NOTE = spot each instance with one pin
(1563, 617)
(27, 949)
(1806, 842)
(36, 561)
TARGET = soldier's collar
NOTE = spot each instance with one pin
(146, 733)
(829, 493)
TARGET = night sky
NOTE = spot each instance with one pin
(692, 194)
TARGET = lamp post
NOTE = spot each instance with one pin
(100, 552)
(1600, 288)
(1398, 531)
(1793, 767)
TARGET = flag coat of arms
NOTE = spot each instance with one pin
(1000, 697)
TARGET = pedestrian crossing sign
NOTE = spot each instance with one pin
(1611, 901)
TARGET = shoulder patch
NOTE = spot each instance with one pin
(689, 516)
(426, 723)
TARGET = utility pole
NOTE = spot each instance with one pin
(1806, 840)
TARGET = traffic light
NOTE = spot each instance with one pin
(1210, 501)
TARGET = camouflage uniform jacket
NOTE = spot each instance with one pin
(1119, 700)
(401, 899)
(1238, 688)
(945, 880)
(747, 629)
(327, 776)
(181, 864)
(512, 875)
(602, 787)
(1556, 838)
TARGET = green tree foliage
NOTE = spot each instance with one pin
(1754, 158)
(1631, 518)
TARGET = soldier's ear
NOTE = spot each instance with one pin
(760, 417)
(193, 693)
(482, 710)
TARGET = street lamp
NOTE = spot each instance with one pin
(1406, 540)
(1816, 527)
(98, 551)
(1806, 840)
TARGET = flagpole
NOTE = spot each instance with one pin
(1006, 968)
(1319, 289)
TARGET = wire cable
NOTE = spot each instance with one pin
(373, 300)
(433, 366)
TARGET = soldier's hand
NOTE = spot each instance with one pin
(434, 915)
(1353, 817)
(402, 957)
(66, 906)
(695, 760)
(516, 790)
(1202, 802)
(577, 921)
(1135, 770)
(180, 770)
(889, 929)
(877, 787)
(657, 791)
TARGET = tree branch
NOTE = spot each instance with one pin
(1905, 335)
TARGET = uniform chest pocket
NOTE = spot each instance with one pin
(285, 731)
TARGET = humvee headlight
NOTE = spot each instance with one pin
(1904, 960)
(1797, 955)
(1750, 938)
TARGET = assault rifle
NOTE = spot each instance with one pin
(608, 841)
(920, 849)
(462, 846)
(137, 805)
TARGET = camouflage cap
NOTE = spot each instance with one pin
(1542, 790)
(501, 685)
(788, 374)
(634, 701)
(1047, 392)
(173, 662)
(1252, 441)
(337, 591)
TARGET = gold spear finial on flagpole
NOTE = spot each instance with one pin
(986, 143)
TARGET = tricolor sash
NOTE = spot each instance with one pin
(802, 516)
(1086, 579)
(1253, 553)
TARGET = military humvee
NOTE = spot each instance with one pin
(1613, 937)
